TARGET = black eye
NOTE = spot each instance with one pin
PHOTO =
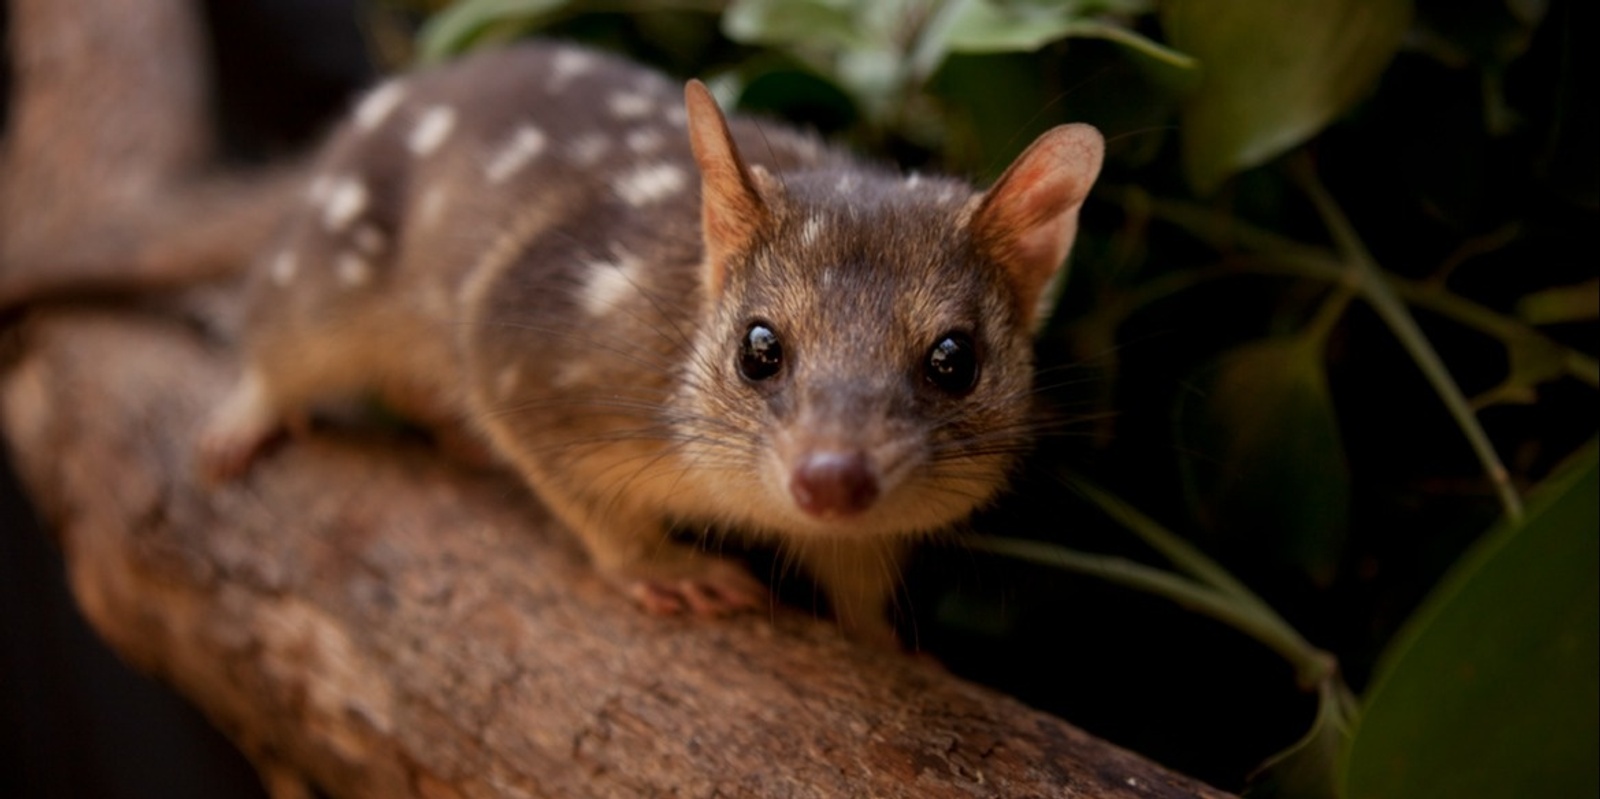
(952, 364)
(761, 353)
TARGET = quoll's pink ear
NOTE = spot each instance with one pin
(1028, 220)
(732, 209)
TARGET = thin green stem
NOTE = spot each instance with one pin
(1178, 552)
(1096, 29)
(1582, 367)
(1312, 666)
(1328, 315)
(1369, 280)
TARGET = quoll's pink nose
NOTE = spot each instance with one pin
(834, 484)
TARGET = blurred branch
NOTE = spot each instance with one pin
(107, 162)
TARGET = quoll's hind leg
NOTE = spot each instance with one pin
(273, 395)
(438, 410)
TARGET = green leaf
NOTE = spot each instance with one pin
(997, 27)
(1262, 455)
(860, 46)
(1491, 689)
(1309, 769)
(824, 24)
(1273, 74)
(469, 22)
(987, 27)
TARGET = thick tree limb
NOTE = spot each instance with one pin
(393, 628)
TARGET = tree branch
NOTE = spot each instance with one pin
(361, 613)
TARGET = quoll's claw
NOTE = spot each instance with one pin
(718, 588)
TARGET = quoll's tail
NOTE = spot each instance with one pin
(108, 179)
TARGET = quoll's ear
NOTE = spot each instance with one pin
(1028, 220)
(731, 208)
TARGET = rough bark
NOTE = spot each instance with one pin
(391, 626)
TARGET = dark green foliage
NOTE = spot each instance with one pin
(1491, 688)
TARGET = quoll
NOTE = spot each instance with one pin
(659, 317)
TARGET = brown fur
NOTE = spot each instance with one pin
(540, 245)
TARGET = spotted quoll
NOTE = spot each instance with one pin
(662, 318)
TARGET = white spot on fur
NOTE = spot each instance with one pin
(588, 149)
(346, 199)
(912, 180)
(525, 145)
(677, 116)
(370, 240)
(630, 105)
(645, 141)
(566, 65)
(378, 104)
(650, 183)
(353, 270)
(284, 267)
(431, 130)
(846, 184)
(811, 231)
(611, 283)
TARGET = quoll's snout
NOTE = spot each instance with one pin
(834, 484)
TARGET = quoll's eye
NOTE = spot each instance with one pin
(761, 353)
(952, 365)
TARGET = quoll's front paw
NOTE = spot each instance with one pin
(236, 432)
(701, 585)
(225, 451)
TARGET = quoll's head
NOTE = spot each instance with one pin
(869, 341)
